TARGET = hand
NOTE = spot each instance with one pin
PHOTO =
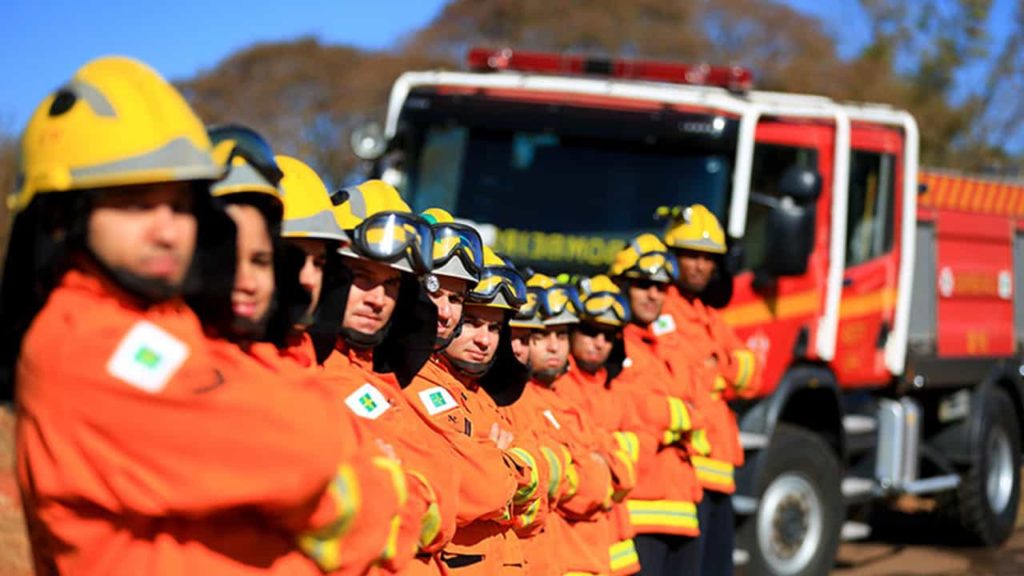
(501, 438)
(387, 450)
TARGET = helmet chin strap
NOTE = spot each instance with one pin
(147, 290)
(470, 369)
(589, 367)
(358, 339)
(549, 375)
(442, 343)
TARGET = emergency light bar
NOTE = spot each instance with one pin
(735, 78)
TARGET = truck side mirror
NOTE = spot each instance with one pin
(789, 234)
(368, 142)
(801, 184)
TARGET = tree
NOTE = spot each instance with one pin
(304, 96)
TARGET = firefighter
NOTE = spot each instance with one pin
(489, 544)
(136, 453)
(312, 235)
(662, 507)
(596, 355)
(725, 369)
(386, 335)
(580, 529)
(504, 479)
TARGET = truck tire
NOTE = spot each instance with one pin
(989, 492)
(795, 531)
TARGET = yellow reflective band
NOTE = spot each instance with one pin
(628, 443)
(680, 415)
(430, 524)
(623, 555)
(555, 467)
(713, 473)
(719, 384)
(525, 460)
(323, 546)
(529, 516)
(572, 476)
(699, 441)
(402, 491)
(745, 360)
(630, 479)
(667, 513)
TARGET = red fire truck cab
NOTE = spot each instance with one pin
(879, 296)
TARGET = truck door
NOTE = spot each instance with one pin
(872, 259)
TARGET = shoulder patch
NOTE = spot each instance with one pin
(367, 402)
(147, 357)
(664, 325)
(437, 400)
(551, 418)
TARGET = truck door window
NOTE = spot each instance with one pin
(869, 218)
(770, 161)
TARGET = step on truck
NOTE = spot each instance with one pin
(880, 297)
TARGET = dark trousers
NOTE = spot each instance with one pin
(667, 555)
(717, 534)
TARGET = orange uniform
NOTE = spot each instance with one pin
(578, 533)
(664, 500)
(143, 449)
(501, 490)
(608, 410)
(485, 547)
(724, 368)
(378, 401)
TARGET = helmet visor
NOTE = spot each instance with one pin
(554, 300)
(392, 236)
(601, 303)
(453, 240)
(251, 147)
(494, 279)
(657, 264)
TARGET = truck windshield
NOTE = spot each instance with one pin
(558, 201)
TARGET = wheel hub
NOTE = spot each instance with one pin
(790, 523)
(999, 481)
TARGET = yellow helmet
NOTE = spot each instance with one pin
(308, 212)
(500, 285)
(117, 122)
(603, 301)
(383, 228)
(244, 154)
(645, 257)
(458, 249)
(557, 303)
(693, 228)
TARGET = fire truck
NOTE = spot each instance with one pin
(878, 295)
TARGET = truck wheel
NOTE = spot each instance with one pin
(795, 531)
(989, 492)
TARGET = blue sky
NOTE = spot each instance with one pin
(42, 42)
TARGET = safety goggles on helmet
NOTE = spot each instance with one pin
(598, 304)
(499, 279)
(251, 147)
(554, 300)
(393, 236)
(453, 240)
(656, 265)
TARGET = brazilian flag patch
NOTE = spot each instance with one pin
(368, 402)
